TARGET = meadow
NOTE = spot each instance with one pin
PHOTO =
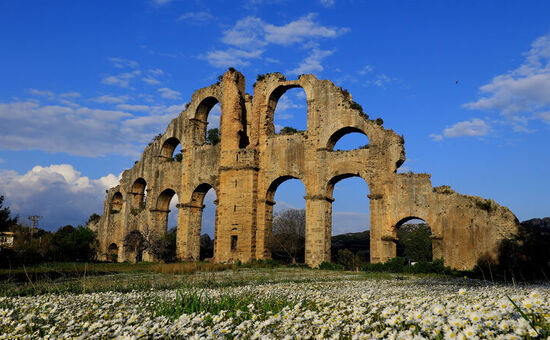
(190, 300)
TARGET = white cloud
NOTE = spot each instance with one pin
(161, 2)
(246, 32)
(366, 69)
(57, 192)
(151, 77)
(469, 128)
(300, 30)
(70, 95)
(122, 63)
(312, 63)
(40, 93)
(129, 107)
(169, 93)
(151, 80)
(327, 3)
(381, 80)
(155, 72)
(84, 131)
(231, 57)
(110, 99)
(520, 94)
(250, 35)
(436, 137)
(122, 80)
(199, 17)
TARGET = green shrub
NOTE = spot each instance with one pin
(331, 266)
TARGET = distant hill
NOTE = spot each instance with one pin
(541, 225)
(356, 242)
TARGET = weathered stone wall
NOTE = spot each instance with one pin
(251, 161)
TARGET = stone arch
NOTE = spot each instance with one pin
(116, 202)
(434, 239)
(273, 100)
(268, 217)
(203, 109)
(329, 191)
(134, 246)
(112, 252)
(190, 234)
(200, 118)
(168, 148)
(139, 193)
(339, 134)
(163, 201)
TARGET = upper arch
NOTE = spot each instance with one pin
(335, 137)
(204, 107)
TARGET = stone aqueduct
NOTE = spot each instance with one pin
(251, 161)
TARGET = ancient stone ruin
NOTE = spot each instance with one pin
(251, 161)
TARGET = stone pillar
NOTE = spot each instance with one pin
(318, 209)
(189, 229)
(264, 229)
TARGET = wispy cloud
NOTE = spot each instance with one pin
(311, 63)
(327, 3)
(231, 57)
(521, 94)
(122, 80)
(82, 131)
(470, 128)
(159, 3)
(48, 94)
(250, 37)
(110, 99)
(70, 95)
(123, 63)
(169, 93)
(196, 17)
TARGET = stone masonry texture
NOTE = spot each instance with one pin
(251, 161)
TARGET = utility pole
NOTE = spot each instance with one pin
(34, 222)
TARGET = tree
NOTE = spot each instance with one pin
(414, 242)
(6, 222)
(287, 130)
(213, 136)
(289, 234)
(74, 244)
(94, 218)
(135, 243)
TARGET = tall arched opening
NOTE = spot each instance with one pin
(287, 110)
(139, 193)
(198, 236)
(116, 203)
(207, 116)
(112, 252)
(162, 235)
(350, 218)
(171, 150)
(285, 223)
(413, 240)
(134, 245)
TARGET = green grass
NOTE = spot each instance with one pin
(237, 306)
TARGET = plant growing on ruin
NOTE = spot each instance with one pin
(213, 136)
(287, 130)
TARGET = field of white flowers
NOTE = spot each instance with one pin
(343, 307)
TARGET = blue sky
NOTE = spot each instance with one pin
(87, 84)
